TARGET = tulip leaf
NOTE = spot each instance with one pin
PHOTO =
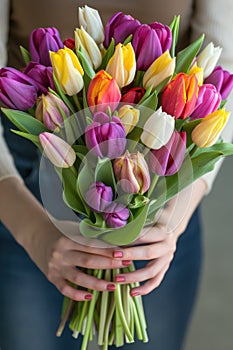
(146, 95)
(186, 56)
(108, 54)
(139, 201)
(104, 173)
(25, 54)
(174, 26)
(89, 71)
(62, 95)
(119, 236)
(188, 128)
(128, 39)
(86, 177)
(150, 102)
(24, 121)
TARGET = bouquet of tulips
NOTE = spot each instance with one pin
(127, 122)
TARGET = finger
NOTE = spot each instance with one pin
(150, 285)
(73, 293)
(154, 233)
(82, 279)
(152, 269)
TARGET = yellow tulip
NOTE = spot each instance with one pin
(122, 65)
(207, 132)
(68, 70)
(162, 68)
(129, 117)
(198, 71)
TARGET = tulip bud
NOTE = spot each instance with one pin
(222, 80)
(198, 71)
(48, 111)
(119, 27)
(168, 159)
(208, 58)
(70, 43)
(164, 34)
(117, 215)
(133, 95)
(208, 101)
(180, 96)
(99, 196)
(42, 41)
(17, 90)
(42, 76)
(103, 92)
(106, 136)
(129, 117)
(67, 70)
(89, 47)
(59, 152)
(162, 68)
(132, 172)
(149, 36)
(207, 132)
(90, 19)
(122, 65)
(158, 129)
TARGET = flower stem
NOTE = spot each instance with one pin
(153, 184)
(67, 311)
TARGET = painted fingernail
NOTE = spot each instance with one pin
(126, 262)
(117, 254)
(111, 287)
(120, 278)
(134, 293)
(88, 297)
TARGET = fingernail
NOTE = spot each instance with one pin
(120, 278)
(88, 297)
(111, 287)
(117, 254)
(126, 262)
(134, 293)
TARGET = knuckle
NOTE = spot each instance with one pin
(63, 288)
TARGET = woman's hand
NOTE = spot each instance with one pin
(157, 244)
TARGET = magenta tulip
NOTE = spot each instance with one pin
(116, 215)
(99, 196)
(208, 101)
(222, 80)
(42, 76)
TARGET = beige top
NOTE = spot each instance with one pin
(19, 18)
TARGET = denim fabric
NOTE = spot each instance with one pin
(30, 306)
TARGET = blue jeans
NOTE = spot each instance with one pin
(30, 306)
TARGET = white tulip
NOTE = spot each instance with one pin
(208, 58)
(90, 19)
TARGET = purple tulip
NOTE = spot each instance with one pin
(222, 80)
(17, 90)
(43, 40)
(164, 34)
(147, 36)
(168, 159)
(99, 196)
(208, 101)
(119, 27)
(42, 76)
(117, 215)
(105, 137)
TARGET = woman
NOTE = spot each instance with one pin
(34, 252)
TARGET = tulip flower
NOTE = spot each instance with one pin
(122, 65)
(207, 132)
(90, 19)
(99, 196)
(208, 58)
(88, 46)
(59, 152)
(103, 92)
(42, 76)
(48, 111)
(180, 96)
(222, 80)
(150, 36)
(17, 90)
(116, 215)
(119, 27)
(129, 117)
(133, 95)
(42, 41)
(70, 43)
(106, 136)
(67, 70)
(208, 101)
(158, 129)
(164, 34)
(168, 159)
(162, 68)
(198, 71)
(132, 172)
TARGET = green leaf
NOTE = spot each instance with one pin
(25, 54)
(120, 236)
(188, 128)
(174, 26)
(128, 39)
(85, 64)
(150, 102)
(186, 56)
(146, 95)
(62, 95)
(24, 121)
(108, 54)
(104, 173)
(139, 201)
